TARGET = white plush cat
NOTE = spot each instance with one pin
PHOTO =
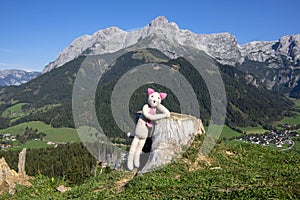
(144, 125)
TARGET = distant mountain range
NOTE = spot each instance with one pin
(16, 77)
(276, 64)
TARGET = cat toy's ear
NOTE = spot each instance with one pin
(162, 95)
(150, 91)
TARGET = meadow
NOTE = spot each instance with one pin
(56, 135)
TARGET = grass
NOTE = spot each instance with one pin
(53, 134)
(228, 133)
(20, 128)
(46, 108)
(14, 111)
(256, 129)
(62, 135)
(297, 145)
(243, 171)
(33, 145)
(297, 103)
(292, 120)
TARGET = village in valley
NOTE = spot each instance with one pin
(8, 140)
(284, 138)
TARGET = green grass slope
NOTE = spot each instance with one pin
(295, 119)
(242, 171)
(56, 135)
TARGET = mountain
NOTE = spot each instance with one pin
(16, 77)
(276, 63)
(221, 46)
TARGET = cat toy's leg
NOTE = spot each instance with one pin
(138, 152)
(131, 153)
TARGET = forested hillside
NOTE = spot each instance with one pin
(248, 103)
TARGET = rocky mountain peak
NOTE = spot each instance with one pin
(81, 40)
(162, 22)
(290, 45)
(108, 32)
(271, 51)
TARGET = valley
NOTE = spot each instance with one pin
(284, 134)
(53, 136)
(246, 111)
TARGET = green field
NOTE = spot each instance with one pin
(53, 134)
(228, 133)
(46, 108)
(297, 103)
(292, 120)
(62, 135)
(14, 111)
(33, 145)
(251, 130)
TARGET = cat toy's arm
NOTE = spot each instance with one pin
(165, 112)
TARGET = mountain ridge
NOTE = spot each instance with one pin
(285, 45)
(16, 77)
(280, 58)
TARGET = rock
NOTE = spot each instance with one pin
(21, 163)
(170, 138)
(63, 188)
(9, 177)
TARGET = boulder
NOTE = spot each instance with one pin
(63, 188)
(170, 138)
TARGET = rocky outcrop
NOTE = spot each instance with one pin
(9, 177)
(171, 137)
(21, 164)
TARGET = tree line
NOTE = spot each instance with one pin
(71, 162)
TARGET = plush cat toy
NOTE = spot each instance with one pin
(144, 125)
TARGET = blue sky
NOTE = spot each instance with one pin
(33, 32)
